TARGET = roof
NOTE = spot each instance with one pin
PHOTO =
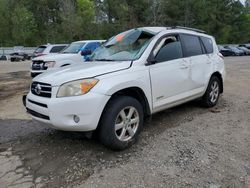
(160, 29)
(46, 45)
(153, 29)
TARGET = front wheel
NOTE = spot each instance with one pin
(211, 97)
(121, 123)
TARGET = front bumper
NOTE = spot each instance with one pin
(59, 112)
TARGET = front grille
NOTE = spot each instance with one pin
(41, 89)
(36, 114)
(39, 65)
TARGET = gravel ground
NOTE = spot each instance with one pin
(187, 146)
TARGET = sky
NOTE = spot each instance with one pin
(243, 1)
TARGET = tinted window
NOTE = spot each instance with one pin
(208, 44)
(57, 49)
(170, 49)
(192, 45)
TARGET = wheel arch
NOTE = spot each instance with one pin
(136, 93)
(64, 65)
(219, 76)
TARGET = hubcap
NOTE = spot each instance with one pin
(214, 94)
(127, 123)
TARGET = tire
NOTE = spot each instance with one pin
(127, 132)
(212, 95)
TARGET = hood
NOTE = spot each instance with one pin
(62, 75)
(55, 57)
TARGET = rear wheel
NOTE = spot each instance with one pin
(121, 123)
(211, 97)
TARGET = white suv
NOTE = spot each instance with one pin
(76, 52)
(48, 49)
(133, 75)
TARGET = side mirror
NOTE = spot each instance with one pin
(86, 52)
(151, 60)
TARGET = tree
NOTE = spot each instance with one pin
(85, 18)
(23, 26)
(58, 21)
(68, 24)
(247, 3)
(4, 25)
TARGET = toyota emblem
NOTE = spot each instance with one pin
(38, 89)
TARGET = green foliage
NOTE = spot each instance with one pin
(24, 26)
(4, 23)
(29, 22)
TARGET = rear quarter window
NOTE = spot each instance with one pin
(57, 49)
(191, 45)
(208, 44)
(40, 49)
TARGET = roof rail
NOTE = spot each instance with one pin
(187, 28)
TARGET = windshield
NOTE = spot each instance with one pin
(126, 46)
(40, 49)
(73, 48)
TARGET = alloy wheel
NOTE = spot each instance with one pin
(127, 123)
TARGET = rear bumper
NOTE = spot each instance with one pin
(59, 112)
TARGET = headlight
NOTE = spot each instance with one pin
(49, 64)
(76, 88)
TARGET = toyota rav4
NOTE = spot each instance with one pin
(133, 75)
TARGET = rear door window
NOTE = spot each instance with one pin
(208, 44)
(191, 45)
(57, 49)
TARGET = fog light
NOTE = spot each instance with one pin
(76, 119)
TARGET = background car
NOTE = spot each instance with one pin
(19, 54)
(48, 49)
(245, 45)
(3, 57)
(225, 51)
(76, 52)
(236, 51)
(246, 50)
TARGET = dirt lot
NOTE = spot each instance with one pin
(187, 146)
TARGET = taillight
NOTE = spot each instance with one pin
(219, 54)
(40, 54)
